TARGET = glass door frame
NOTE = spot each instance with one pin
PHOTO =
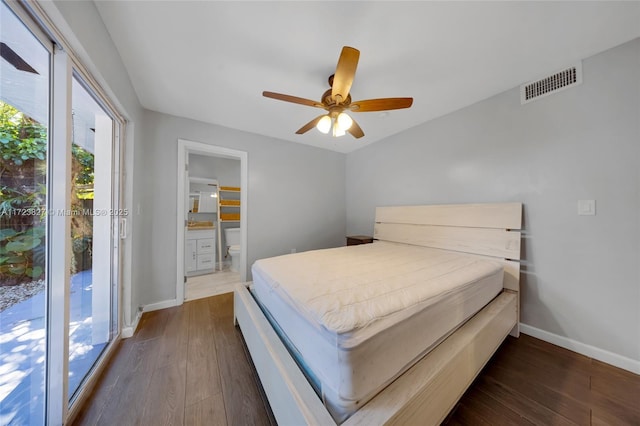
(48, 45)
(59, 405)
(117, 225)
(63, 65)
(59, 229)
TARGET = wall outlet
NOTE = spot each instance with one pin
(586, 207)
(293, 250)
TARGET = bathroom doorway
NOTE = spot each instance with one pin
(211, 226)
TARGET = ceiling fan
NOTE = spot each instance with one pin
(337, 100)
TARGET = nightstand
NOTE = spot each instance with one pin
(354, 240)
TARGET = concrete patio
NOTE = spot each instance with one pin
(23, 355)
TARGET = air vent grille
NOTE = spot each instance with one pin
(554, 83)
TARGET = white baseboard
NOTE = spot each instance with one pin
(582, 348)
(131, 330)
(160, 305)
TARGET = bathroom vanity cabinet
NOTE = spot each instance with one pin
(199, 251)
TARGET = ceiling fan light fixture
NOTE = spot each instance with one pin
(344, 121)
(337, 100)
(324, 125)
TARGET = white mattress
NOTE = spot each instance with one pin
(360, 316)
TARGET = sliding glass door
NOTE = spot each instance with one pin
(59, 225)
(91, 323)
(24, 282)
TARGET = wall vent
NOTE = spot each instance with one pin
(556, 82)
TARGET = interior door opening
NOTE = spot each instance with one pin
(211, 241)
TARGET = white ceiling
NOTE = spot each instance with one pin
(211, 60)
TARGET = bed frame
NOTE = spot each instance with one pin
(427, 392)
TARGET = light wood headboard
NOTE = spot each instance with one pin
(478, 229)
(485, 229)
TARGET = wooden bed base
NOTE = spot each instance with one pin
(427, 392)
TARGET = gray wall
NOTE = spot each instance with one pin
(83, 28)
(581, 273)
(225, 170)
(295, 193)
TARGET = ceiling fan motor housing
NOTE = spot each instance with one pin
(330, 102)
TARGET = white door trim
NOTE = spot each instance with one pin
(186, 147)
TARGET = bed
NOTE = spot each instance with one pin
(386, 333)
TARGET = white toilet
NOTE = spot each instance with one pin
(232, 241)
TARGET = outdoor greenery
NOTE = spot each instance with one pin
(23, 149)
(84, 165)
(21, 138)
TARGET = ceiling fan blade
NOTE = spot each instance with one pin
(355, 130)
(292, 99)
(345, 71)
(310, 125)
(383, 104)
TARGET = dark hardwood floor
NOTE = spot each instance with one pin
(188, 366)
(529, 381)
(184, 366)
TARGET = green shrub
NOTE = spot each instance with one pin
(21, 137)
(21, 253)
(23, 150)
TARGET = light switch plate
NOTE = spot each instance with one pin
(587, 207)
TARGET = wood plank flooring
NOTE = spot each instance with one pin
(188, 366)
(184, 366)
(529, 381)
